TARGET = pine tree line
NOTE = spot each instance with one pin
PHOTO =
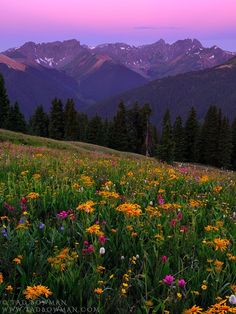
(128, 131)
(11, 117)
(211, 141)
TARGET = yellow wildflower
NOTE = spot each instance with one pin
(219, 307)
(149, 303)
(24, 173)
(87, 207)
(86, 180)
(221, 244)
(95, 229)
(98, 290)
(18, 259)
(179, 296)
(108, 194)
(130, 209)
(211, 228)
(76, 186)
(218, 265)
(231, 257)
(36, 176)
(217, 189)
(204, 179)
(100, 269)
(9, 288)
(1, 278)
(195, 203)
(233, 288)
(33, 292)
(33, 195)
(194, 310)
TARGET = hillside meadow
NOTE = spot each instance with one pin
(85, 228)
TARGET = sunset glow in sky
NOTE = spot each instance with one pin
(131, 21)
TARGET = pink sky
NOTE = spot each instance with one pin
(132, 21)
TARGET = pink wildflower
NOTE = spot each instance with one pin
(173, 222)
(183, 229)
(168, 280)
(181, 283)
(164, 259)
(180, 216)
(161, 200)
(102, 239)
(62, 214)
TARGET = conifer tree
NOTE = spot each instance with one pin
(225, 144)
(71, 121)
(146, 128)
(191, 136)
(4, 104)
(39, 122)
(165, 150)
(179, 140)
(154, 140)
(82, 123)
(134, 129)
(210, 137)
(56, 120)
(95, 131)
(138, 129)
(16, 120)
(119, 133)
(106, 134)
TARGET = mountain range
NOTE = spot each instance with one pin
(98, 77)
(199, 89)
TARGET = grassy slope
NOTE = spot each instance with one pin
(77, 147)
(87, 149)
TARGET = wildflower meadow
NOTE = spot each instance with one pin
(114, 233)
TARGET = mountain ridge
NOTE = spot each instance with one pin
(98, 73)
(215, 86)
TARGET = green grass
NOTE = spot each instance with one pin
(53, 192)
(77, 147)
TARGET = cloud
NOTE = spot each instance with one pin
(156, 27)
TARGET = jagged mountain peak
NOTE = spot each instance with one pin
(104, 70)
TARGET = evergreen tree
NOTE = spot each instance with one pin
(210, 137)
(95, 131)
(165, 150)
(139, 129)
(225, 144)
(4, 104)
(146, 129)
(179, 140)
(191, 137)
(233, 155)
(119, 134)
(71, 121)
(106, 134)
(154, 140)
(56, 120)
(16, 120)
(134, 129)
(82, 122)
(39, 122)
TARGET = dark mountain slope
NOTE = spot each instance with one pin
(33, 86)
(201, 89)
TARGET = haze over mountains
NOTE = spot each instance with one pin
(36, 73)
